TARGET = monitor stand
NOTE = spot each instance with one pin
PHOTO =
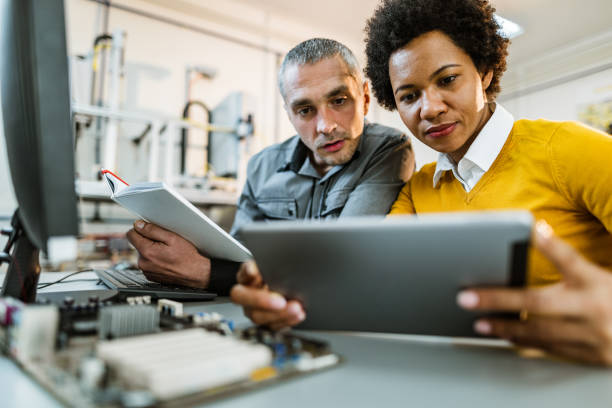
(21, 279)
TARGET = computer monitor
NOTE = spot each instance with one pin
(39, 139)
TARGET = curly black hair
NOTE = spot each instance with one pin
(469, 23)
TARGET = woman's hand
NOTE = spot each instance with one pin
(261, 305)
(572, 318)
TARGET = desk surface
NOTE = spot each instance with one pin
(393, 370)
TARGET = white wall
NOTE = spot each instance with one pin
(557, 84)
(564, 101)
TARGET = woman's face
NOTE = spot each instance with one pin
(439, 93)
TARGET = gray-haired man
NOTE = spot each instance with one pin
(336, 166)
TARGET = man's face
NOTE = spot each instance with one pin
(326, 105)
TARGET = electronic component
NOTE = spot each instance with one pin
(91, 372)
(127, 320)
(167, 358)
(292, 351)
(170, 307)
(31, 332)
(8, 307)
(213, 321)
(138, 300)
(179, 363)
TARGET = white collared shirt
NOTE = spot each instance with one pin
(481, 154)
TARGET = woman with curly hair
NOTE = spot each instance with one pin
(439, 64)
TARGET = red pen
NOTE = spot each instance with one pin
(104, 171)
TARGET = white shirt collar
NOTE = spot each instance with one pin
(481, 154)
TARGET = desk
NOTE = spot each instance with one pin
(392, 370)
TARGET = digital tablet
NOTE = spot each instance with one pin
(397, 275)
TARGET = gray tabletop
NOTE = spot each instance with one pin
(394, 370)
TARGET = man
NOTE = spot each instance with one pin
(336, 166)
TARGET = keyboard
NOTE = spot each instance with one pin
(133, 282)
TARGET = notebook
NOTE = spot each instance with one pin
(157, 203)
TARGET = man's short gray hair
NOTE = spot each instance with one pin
(314, 50)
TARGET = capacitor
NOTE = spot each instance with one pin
(92, 371)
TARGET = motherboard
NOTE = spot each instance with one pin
(139, 353)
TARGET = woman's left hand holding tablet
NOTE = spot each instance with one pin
(572, 318)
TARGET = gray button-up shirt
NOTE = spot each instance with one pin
(282, 184)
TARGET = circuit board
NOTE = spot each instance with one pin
(136, 353)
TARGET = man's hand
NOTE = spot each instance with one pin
(166, 257)
(572, 318)
(260, 304)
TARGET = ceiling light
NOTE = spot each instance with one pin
(509, 29)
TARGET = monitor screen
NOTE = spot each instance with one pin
(38, 127)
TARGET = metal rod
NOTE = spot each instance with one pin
(154, 152)
(188, 26)
(89, 110)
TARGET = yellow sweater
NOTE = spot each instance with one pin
(560, 171)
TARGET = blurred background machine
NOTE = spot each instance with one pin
(201, 152)
(226, 154)
(191, 151)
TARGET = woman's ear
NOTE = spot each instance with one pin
(487, 77)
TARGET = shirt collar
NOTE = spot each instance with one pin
(485, 148)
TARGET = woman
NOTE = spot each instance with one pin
(439, 63)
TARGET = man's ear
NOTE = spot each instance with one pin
(366, 97)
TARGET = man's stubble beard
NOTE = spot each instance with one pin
(346, 154)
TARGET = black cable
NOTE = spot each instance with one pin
(44, 285)
(184, 131)
(4, 257)
(142, 135)
(76, 280)
(102, 37)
